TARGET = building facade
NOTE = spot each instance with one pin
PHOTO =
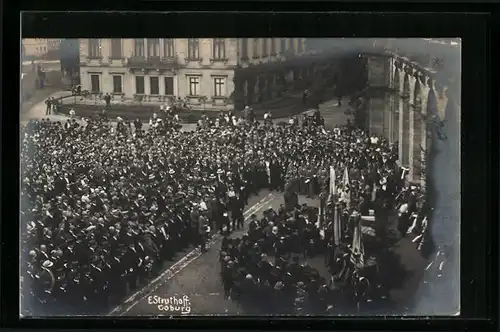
(39, 46)
(407, 104)
(198, 70)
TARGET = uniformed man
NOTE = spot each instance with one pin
(203, 230)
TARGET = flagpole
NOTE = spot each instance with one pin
(336, 225)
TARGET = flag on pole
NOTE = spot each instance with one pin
(337, 228)
(318, 223)
(345, 187)
(404, 171)
(333, 188)
(345, 179)
(268, 171)
(358, 251)
(374, 193)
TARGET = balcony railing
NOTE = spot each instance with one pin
(152, 62)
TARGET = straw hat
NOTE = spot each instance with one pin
(47, 264)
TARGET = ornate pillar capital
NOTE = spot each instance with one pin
(422, 78)
(408, 70)
(430, 82)
(416, 74)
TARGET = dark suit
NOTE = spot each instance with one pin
(291, 200)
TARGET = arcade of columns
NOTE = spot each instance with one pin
(419, 104)
(407, 106)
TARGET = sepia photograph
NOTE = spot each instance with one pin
(240, 176)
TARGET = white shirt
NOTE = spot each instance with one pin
(266, 115)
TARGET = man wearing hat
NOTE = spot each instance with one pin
(236, 207)
(45, 281)
(227, 274)
(203, 231)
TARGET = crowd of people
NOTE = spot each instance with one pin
(104, 206)
(262, 270)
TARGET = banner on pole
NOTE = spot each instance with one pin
(337, 228)
(345, 188)
(358, 251)
(333, 188)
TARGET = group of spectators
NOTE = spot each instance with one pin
(263, 273)
(103, 207)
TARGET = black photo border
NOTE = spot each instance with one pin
(479, 180)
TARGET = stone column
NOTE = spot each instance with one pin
(405, 115)
(441, 99)
(401, 116)
(424, 135)
(395, 107)
(416, 160)
(162, 48)
(161, 83)
(411, 114)
(147, 88)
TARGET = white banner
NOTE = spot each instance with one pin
(346, 188)
(337, 228)
(332, 181)
(358, 252)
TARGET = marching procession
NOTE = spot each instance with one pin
(104, 207)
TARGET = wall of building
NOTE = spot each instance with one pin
(35, 46)
(256, 46)
(39, 46)
(207, 69)
(405, 103)
(379, 84)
